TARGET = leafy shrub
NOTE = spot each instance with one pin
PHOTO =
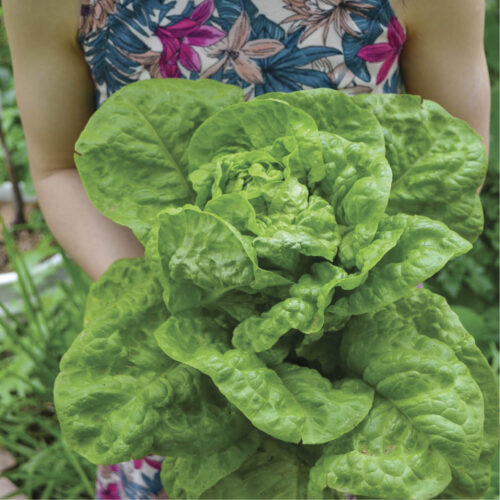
(31, 345)
(10, 121)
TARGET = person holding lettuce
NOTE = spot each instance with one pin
(69, 57)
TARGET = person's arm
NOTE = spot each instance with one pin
(443, 58)
(55, 94)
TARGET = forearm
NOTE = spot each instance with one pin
(91, 239)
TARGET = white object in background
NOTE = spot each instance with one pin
(44, 274)
(6, 193)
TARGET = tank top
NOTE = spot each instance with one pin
(259, 45)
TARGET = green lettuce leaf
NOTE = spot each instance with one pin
(203, 257)
(123, 275)
(198, 341)
(189, 477)
(286, 238)
(330, 410)
(258, 125)
(438, 161)
(276, 402)
(384, 457)
(471, 482)
(138, 140)
(357, 184)
(236, 210)
(336, 112)
(303, 310)
(421, 250)
(422, 377)
(435, 319)
(258, 173)
(118, 396)
(386, 238)
(273, 472)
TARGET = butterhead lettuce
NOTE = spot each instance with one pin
(273, 342)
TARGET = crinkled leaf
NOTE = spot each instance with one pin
(290, 199)
(276, 406)
(357, 184)
(203, 257)
(319, 218)
(138, 139)
(302, 155)
(118, 396)
(312, 232)
(252, 126)
(435, 319)
(348, 120)
(190, 476)
(239, 305)
(272, 472)
(255, 174)
(423, 248)
(384, 457)
(132, 276)
(303, 310)
(438, 162)
(237, 210)
(331, 410)
(241, 376)
(386, 238)
(422, 377)
(471, 482)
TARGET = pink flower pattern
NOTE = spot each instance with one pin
(130, 479)
(178, 40)
(387, 52)
(155, 464)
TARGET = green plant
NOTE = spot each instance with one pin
(31, 345)
(13, 154)
(273, 342)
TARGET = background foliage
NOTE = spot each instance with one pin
(28, 424)
(10, 121)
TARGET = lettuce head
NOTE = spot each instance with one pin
(273, 343)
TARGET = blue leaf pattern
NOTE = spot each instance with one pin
(371, 28)
(229, 10)
(283, 72)
(393, 85)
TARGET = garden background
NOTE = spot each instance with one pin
(38, 326)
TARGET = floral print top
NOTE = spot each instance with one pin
(259, 45)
